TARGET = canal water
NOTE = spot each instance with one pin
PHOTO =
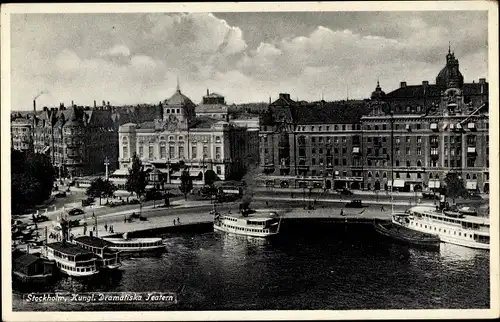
(309, 266)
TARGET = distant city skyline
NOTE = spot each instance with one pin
(135, 58)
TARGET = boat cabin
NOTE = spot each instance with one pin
(96, 245)
(71, 257)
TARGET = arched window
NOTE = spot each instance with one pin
(181, 138)
(163, 150)
(377, 175)
(369, 174)
(384, 175)
(474, 176)
(419, 163)
(125, 147)
(430, 175)
(467, 176)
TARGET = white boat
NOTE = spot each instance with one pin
(252, 225)
(451, 227)
(108, 258)
(71, 260)
(136, 245)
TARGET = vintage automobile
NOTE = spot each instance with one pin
(354, 204)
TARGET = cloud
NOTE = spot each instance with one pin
(117, 50)
(136, 58)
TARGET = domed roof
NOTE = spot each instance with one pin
(378, 93)
(178, 99)
(450, 75)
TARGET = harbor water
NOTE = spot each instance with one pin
(310, 265)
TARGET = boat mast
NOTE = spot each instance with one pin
(392, 161)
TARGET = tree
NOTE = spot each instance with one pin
(454, 186)
(210, 177)
(136, 181)
(97, 189)
(32, 179)
(186, 183)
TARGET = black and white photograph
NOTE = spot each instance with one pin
(237, 161)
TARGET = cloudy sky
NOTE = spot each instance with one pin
(130, 58)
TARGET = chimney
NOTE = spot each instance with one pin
(95, 104)
(45, 108)
(208, 93)
(402, 84)
(34, 107)
(482, 81)
(103, 103)
(269, 99)
(285, 96)
(72, 104)
(425, 83)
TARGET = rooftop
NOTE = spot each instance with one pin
(68, 248)
(93, 241)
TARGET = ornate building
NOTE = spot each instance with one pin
(214, 105)
(180, 139)
(78, 139)
(21, 132)
(422, 132)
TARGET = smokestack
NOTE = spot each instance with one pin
(95, 104)
(269, 99)
(208, 93)
(34, 107)
(72, 104)
(403, 84)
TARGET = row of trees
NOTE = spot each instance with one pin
(32, 179)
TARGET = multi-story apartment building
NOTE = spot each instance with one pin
(181, 138)
(316, 145)
(78, 139)
(21, 132)
(415, 134)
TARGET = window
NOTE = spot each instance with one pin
(419, 138)
(168, 110)
(384, 127)
(178, 111)
(397, 163)
(408, 139)
(398, 152)
(313, 151)
(419, 163)
(419, 151)
(376, 127)
(470, 163)
(217, 152)
(344, 150)
(163, 150)
(125, 151)
(344, 140)
(434, 151)
(408, 163)
(218, 169)
(312, 129)
(171, 152)
(408, 151)
(313, 161)
(419, 175)
(344, 161)
(150, 152)
(217, 139)
(205, 151)
(398, 140)
(343, 127)
(408, 176)
(141, 151)
(320, 140)
(336, 127)
(193, 152)
(397, 175)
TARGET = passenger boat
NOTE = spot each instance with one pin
(251, 225)
(468, 211)
(464, 230)
(407, 236)
(71, 260)
(108, 258)
(136, 245)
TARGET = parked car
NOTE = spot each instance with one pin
(60, 194)
(430, 195)
(40, 218)
(354, 204)
(76, 212)
(345, 192)
(475, 196)
(133, 202)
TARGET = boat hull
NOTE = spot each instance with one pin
(448, 234)
(39, 279)
(401, 235)
(244, 233)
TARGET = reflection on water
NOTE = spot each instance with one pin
(321, 267)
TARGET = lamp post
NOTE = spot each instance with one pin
(106, 164)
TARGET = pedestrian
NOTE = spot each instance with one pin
(85, 230)
(342, 212)
(178, 220)
(382, 208)
(125, 219)
(106, 227)
(174, 222)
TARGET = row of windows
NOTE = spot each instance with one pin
(320, 128)
(77, 269)
(172, 138)
(247, 229)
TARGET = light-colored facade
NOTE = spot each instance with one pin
(181, 138)
(21, 133)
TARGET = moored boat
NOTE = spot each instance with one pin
(407, 236)
(136, 245)
(463, 230)
(251, 225)
(71, 260)
(108, 258)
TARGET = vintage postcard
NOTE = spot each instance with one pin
(242, 161)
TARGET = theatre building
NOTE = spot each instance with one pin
(181, 139)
